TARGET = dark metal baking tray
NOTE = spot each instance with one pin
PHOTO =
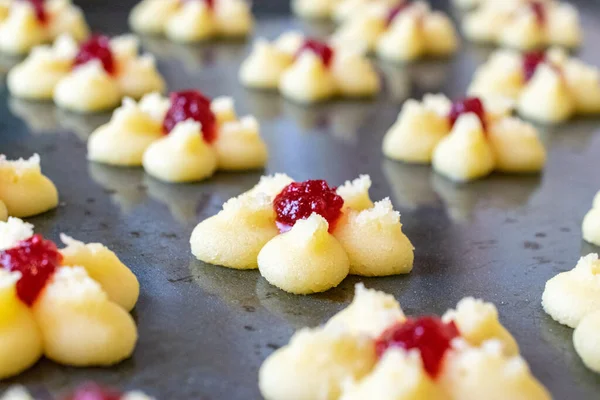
(205, 330)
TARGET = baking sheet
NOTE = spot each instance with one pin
(205, 330)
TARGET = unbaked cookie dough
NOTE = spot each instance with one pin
(25, 24)
(404, 32)
(83, 392)
(192, 21)
(306, 237)
(90, 77)
(591, 223)
(308, 71)
(71, 305)
(371, 350)
(465, 140)
(548, 87)
(524, 25)
(183, 138)
(470, 4)
(24, 190)
(339, 10)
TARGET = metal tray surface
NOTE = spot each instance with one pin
(204, 330)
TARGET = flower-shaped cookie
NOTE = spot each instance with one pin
(524, 25)
(548, 87)
(308, 71)
(306, 237)
(70, 305)
(469, 4)
(591, 223)
(465, 140)
(25, 24)
(371, 350)
(192, 20)
(572, 298)
(404, 32)
(184, 138)
(93, 76)
(24, 190)
(87, 391)
(340, 10)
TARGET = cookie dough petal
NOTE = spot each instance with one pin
(397, 376)
(21, 31)
(584, 83)
(181, 156)
(140, 76)
(24, 190)
(103, 266)
(441, 38)
(265, 66)
(404, 41)
(151, 16)
(361, 32)
(478, 322)
(465, 154)
(270, 186)
(234, 237)
(313, 8)
(66, 18)
(370, 313)
(308, 80)
(591, 226)
(239, 146)
(570, 295)
(13, 231)
(473, 373)
(314, 364)
(20, 337)
(233, 18)
(374, 241)
(356, 193)
(501, 75)
(80, 325)
(415, 134)
(585, 340)
(566, 28)
(546, 98)
(3, 212)
(306, 259)
(523, 32)
(192, 22)
(87, 88)
(354, 75)
(517, 146)
(125, 138)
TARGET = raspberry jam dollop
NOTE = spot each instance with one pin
(324, 51)
(36, 259)
(96, 48)
(531, 61)
(395, 11)
(429, 335)
(467, 105)
(539, 10)
(191, 104)
(40, 10)
(92, 391)
(299, 200)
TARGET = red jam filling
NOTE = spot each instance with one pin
(209, 3)
(531, 61)
(538, 8)
(299, 200)
(40, 10)
(96, 48)
(467, 105)
(36, 259)
(92, 391)
(321, 49)
(191, 104)
(429, 335)
(395, 11)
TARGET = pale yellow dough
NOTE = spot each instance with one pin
(315, 364)
(356, 193)
(516, 146)
(24, 190)
(3, 211)
(305, 260)
(239, 146)
(234, 237)
(307, 80)
(586, 342)
(591, 223)
(570, 295)
(315, 8)
(181, 156)
(192, 21)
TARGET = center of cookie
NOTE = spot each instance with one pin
(539, 10)
(40, 10)
(36, 259)
(96, 48)
(468, 105)
(395, 11)
(531, 61)
(429, 335)
(299, 200)
(324, 51)
(191, 104)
